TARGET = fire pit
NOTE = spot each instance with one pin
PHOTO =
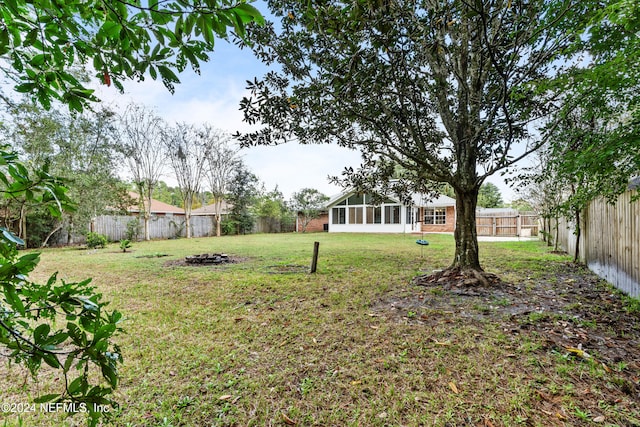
(208, 259)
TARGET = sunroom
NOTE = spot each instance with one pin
(353, 212)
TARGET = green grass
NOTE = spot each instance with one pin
(252, 344)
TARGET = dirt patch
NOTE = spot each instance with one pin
(159, 255)
(569, 310)
(183, 262)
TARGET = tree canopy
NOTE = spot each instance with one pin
(451, 91)
(76, 147)
(308, 202)
(593, 148)
(43, 43)
(489, 196)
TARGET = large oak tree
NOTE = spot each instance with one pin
(446, 91)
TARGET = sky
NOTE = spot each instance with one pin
(214, 97)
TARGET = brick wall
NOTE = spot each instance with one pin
(316, 225)
(448, 227)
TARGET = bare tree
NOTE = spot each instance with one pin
(222, 161)
(141, 142)
(188, 148)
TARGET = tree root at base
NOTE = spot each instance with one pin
(457, 277)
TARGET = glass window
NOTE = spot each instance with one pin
(339, 216)
(355, 215)
(374, 215)
(356, 199)
(392, 214)
(435, 216)
(409, 217)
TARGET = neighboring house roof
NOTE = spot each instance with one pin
(156, 206)
(417, 199)
(225, 209)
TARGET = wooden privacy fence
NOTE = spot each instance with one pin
(274, 225)
(523, 225)
(609, 242)
(160, 227)
(171, 227)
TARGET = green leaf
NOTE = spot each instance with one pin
(111, 29)
(160, 18)
(41, 333)
(69, 361)
(98, 63)
(104, 332)
(57, 339)
(51, 360)
(38, 60)
(13, 298)
(249, 13)
(4, 41)
(110, 374)
(25, 87)
(76, 386)
(167, 74)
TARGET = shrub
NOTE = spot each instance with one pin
(96, 240)
(125, 244)
(229, 227)
(133, 229)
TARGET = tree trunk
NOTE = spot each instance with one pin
(547, 231)
(466, 236)
(218, 225)
(146, 226)
(187, 219)
(576, 254)
(46, 240)
(22, 233)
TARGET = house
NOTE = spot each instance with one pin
(207, 215)
(320, 223)
(210, 210)
(158, 208)
(355, 212)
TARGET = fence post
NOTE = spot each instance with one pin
(314, 260)
(518, 225)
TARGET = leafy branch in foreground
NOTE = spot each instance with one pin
(44, 40)
(30, 312)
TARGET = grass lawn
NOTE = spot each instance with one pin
(263, 343)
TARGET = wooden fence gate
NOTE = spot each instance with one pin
(522, 225)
